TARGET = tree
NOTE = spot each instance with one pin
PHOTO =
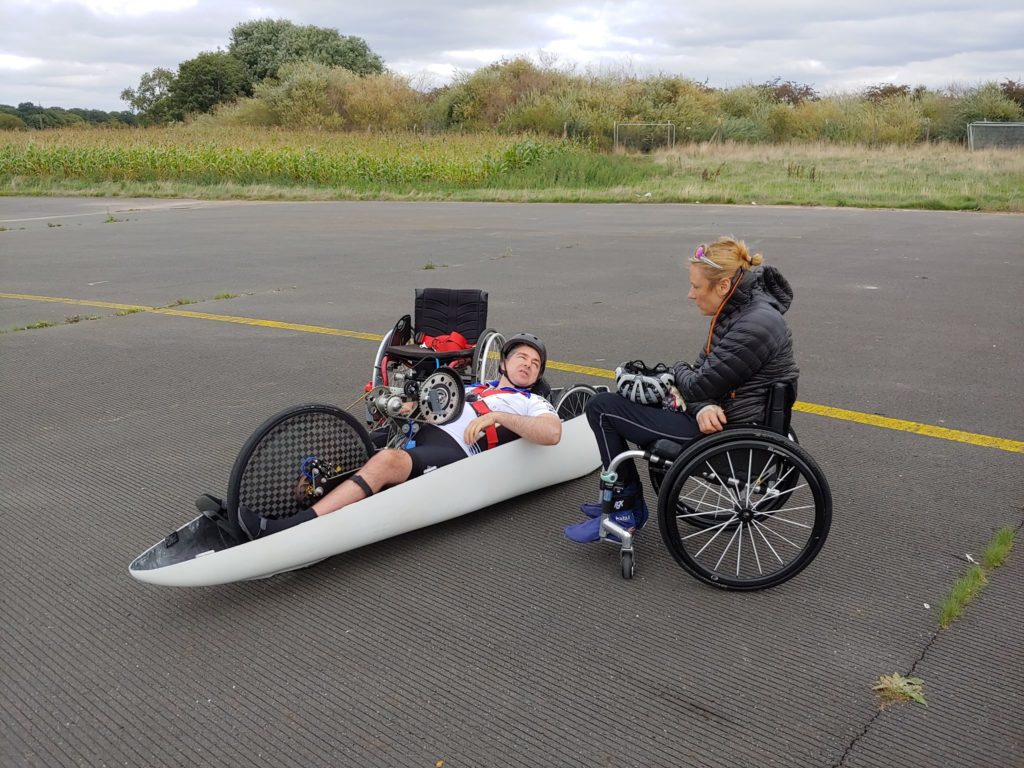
(1014, 91)
(151, 101)
(788, 92)
(883, 91)
(208, 79)
(264, 45)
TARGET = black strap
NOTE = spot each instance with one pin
(362, 484)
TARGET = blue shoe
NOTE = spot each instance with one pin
(590, 530)
(592, 509)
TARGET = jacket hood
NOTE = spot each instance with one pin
(768, 280)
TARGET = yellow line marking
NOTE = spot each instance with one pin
(270, 324)
(80, 302)
(600, 373)
(899, 425)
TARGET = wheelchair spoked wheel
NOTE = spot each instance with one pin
(487, 355)
(744, 510)
(573, 401)
(266, 472)
(657, 473)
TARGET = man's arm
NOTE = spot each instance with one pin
(545, 429)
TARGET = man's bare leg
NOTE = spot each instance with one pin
(387, 467)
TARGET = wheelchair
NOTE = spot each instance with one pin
(743, 509)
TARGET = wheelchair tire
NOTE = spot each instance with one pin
(573, 400)
(756, 507)
(266, 470)
(657, 472)
(487, 356)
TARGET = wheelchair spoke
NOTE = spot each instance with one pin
(730, 500)
(753, 546)
(725, 551)
(747, 512)
(762, 526)
(761, 532)
(732, 496)
(721, 527)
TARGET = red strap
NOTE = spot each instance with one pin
(490, 432)
(449, 342)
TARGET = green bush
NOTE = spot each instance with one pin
(10, 122)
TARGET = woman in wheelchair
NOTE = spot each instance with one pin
(749, 347)
(502, 410)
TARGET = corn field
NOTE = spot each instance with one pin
(247, 157)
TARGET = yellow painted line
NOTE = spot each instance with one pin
(271, 324)
(80, 302)
(899, 425)
(201, 316)
(600, 373)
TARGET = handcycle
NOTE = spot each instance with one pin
(302, 453)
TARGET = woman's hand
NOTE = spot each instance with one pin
(711, 419)
(407, 408)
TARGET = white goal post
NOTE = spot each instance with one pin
(986, 135)
(646, 139)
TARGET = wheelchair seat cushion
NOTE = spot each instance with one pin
(668, 450)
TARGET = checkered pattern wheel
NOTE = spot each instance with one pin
(266, 471)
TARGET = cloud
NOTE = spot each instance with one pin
(84, 52)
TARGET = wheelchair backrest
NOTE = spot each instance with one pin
(779, 409)
(443, 310)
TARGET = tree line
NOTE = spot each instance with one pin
(277, 73)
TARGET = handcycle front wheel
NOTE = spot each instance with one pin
(744, 510)
(574, 401)
(269, 465)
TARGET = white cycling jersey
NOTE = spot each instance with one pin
(508, 400)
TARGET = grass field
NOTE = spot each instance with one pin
(202, 162)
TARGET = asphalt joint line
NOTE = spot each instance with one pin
(913, 669)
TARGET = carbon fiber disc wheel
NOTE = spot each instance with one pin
(267, 469)
(763, 506)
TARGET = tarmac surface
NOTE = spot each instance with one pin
(490, 640)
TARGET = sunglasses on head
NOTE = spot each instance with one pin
(700, 256)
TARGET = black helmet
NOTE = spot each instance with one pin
(531, 341)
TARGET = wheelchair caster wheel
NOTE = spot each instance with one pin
(628, 565)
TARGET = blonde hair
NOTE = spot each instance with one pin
(724, 257)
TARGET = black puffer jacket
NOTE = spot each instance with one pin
(751, 348)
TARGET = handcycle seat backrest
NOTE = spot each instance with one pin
(440, 311)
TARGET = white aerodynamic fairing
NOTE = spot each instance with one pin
(487, 478)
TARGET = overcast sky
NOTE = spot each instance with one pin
(82, 53)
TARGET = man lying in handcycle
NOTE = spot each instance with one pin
(502, 410)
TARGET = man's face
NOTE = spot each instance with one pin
(522, 366)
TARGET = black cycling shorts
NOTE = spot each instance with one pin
(434, 448)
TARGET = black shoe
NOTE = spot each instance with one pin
(252, 525)
(210, 506)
